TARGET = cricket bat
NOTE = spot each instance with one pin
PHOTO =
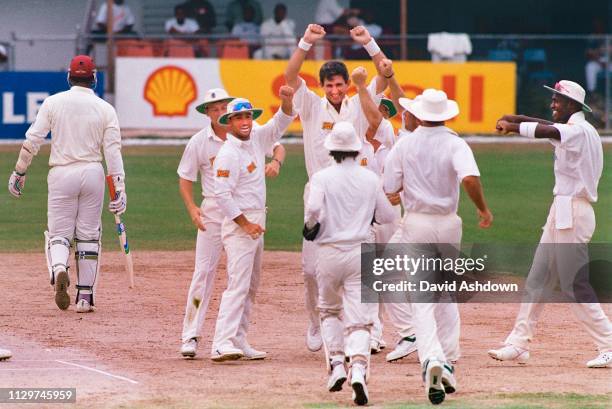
(123, 240)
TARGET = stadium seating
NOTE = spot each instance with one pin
(178, 48)
(134, 48)
(232, 49)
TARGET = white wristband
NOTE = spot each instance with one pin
(304, 45)
(372, 48)
(528, 129)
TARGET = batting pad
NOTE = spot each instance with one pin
(86, 254)
(58, 252)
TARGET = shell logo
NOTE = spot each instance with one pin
(170, 90)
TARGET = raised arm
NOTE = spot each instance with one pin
(530, 129)
(369, 108)
(313, 33)
(386, 69)
(273, 130)
(517, 119)
(362, 36)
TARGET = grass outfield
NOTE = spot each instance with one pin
(518, 181)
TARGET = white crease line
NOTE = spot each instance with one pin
(123, 378)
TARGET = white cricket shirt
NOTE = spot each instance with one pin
(345, 198)
(82, 125)
(239, 177)
(318, 117)
(430, 165)
(189, 26)
(578, 159)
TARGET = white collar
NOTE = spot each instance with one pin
(212, 135)
(239, 143)
(576, 118)
(81, 89)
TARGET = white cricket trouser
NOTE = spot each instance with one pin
(399, 314)
(564, 260)
(244, 258)
(311, 291)
(340, 306)
(75, 200)
(207, 254)
(74, 210)
(437, 325)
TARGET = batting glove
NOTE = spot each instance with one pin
(16, 183)
(119, 205)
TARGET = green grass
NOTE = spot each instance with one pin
(518, 183)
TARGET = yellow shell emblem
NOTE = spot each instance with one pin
(170, 90)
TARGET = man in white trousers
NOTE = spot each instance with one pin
(82, 125)
(199, 157)
(429, 166)
(378, 140)
(318, 116)
(570, 224)
(240, 190)
(344, 199)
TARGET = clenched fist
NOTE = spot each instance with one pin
(313, 33)
(286, 92)
(502, 127)
(361, 35)
(386, 67)
(359, 76)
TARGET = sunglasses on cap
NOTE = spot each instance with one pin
(241, 106)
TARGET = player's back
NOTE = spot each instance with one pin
(78, 120)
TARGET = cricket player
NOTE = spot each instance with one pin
(578, 168)
(5, 354)
(318, 116)
(240, 191)
(379, 138)
(429, 166)
(199, 157)
(82, 126)
(344, 199)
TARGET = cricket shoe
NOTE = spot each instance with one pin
(404, 347)
(84, 306)
(448, 378)
(510, 353)
(358, 383)
(337, 377)
(251, 354)
(227, 354)
(5, 354)
(62, 282)
(602, 361)
(432, 376)
(189, 347)
(314, 341)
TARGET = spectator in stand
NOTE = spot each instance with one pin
(203, 13)
(278, 35)
(180, 24)
(235, 13)
(329, 14)
(123, 19)
(597, 57)
(247, 30)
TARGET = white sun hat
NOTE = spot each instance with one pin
(406, 102)
(571, 90)
(213, 95)
(343, 138)
(433, 106)
(237, 106)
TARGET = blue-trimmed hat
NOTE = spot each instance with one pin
(238, 106)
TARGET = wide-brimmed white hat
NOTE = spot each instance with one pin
(433, 106)
(571, 90)
(343, 138)
(237, 106)
(213, 95)
(406, 102)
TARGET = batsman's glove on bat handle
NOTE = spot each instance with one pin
(311, 233)
(119, 205)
